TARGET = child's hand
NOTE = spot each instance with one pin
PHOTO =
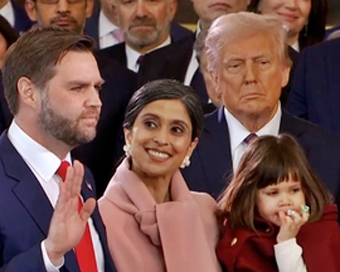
(290, 224)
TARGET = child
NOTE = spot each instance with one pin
(266, 224)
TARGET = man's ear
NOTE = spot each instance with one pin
(31, 10)
(27, 92)
(89, 8)
(172, 9)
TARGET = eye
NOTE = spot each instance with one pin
(263, 63)
(296, 190)
(98, 88)
(271, 193)
(77, 88)
(177, 130)
(234, 67)
(150, 124)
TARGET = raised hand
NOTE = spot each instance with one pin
(67, 224)
(290, 224)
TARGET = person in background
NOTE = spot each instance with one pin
(102, 26)
(54, 109)
(15, 15)
(67, 14)
(215, 98)
(162, 225)
(305, 20)
(276, 215)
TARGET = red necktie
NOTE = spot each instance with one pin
(84, 250)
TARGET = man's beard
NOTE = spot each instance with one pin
(143, 38)
(61, 128)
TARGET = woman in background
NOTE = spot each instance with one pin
(305, 19)
(153, 222)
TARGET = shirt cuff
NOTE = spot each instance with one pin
(288, 255)
(48, 264)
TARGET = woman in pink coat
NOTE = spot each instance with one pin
(153, 222)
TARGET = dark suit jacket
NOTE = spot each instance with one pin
(211, 163)
(26, 215)
(102, 154)
(92, 27)
(167, 62)
(315, 94)
(21, 20)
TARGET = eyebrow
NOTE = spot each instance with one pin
(85, 83)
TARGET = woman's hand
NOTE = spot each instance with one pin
(291, 223)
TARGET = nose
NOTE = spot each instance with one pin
(162, 136)
(285, 201)
(291, 4)
(94, 99)
(250, 75)
(141, 9)
(62, 6)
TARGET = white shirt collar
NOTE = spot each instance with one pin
(8, 12)
(132, 55)
(296, 46)
(41, 160)
(105, 26)
(237, 132)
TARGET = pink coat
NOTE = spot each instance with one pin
(143, 236)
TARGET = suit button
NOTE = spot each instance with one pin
(233, 242)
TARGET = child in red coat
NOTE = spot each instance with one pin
(267, 225)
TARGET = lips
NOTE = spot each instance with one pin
(288, 16)
(63, 21)
(158, 154)
(220, 5)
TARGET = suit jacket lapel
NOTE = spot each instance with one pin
(30, 193)
(217, 135)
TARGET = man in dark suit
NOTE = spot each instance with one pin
(54, 110)
(315, 90)
(102, 26)
(249, 67)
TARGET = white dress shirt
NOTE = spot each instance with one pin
(193, 64)
(106, 29)
(132, 55)
(8, 13)
(237, 133)
(44, 165)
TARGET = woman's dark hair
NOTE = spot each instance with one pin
(8, 32)
(166, 89)
(314, 31)
(270, 160)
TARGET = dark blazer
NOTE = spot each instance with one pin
(92, 27)
(167, 62)
(211, 163)
(25, 218)
(21, 20)
(315, 92)
(102, 154)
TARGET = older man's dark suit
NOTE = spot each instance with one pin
(211, 163)
(26, 213)
(167, 62)
(315, 94)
